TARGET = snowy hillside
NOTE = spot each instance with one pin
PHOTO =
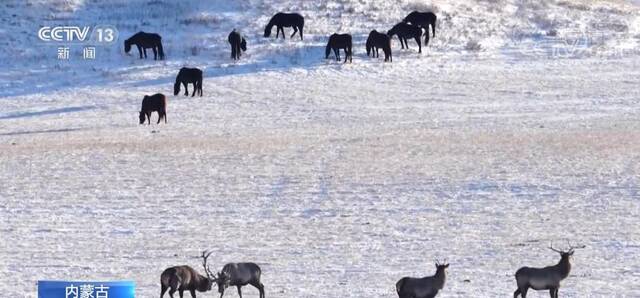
(518, 126)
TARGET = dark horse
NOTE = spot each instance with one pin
(404, 31)
(281, 20)
(238, 43)
(423, 20)
(144, 41)
(337, 42)
(153, 103)
(377, 40)
(186, 76)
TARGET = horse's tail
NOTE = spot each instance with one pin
(160, 50)
(433, 25)
(200, 85)
(176, 86)
(301, 28)
(350, 47)
(328, 49)
(368, 45)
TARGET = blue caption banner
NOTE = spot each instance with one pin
(79, 289)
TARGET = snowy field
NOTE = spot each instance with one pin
(336, 179)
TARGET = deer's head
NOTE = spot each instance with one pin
(441, 266)
(566, 254)
(223, 281)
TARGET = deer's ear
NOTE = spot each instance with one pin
(446, 266)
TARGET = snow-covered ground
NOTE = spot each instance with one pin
(517, 127)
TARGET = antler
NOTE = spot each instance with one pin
(551, 247)
(572, 248)
(206, 255)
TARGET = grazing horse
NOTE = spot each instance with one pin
(281, 20)
(423, 20)
(404, 31)
(143, 41)
(153, 103)
(378, 40)
(337, 42)
(238, 43)
(186, 76)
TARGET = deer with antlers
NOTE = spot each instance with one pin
(547, 278)
(426, 287)
(184, 278)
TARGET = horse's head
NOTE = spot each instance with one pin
(267, 30)
(243, 44)
(142, 117)
(176, 88)
(127, 46)
(394, 30)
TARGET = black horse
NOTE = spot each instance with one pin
(423, 20)
(144, 41)
(377, 40)
(404, 31)
(186, 76)
(281, 20)
(238, 43)
(153, 103)
(337, 42)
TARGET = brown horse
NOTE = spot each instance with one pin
(153, 103)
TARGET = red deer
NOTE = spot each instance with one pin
(185, 278)
(240, 274)
(426, 287)
(547, 278)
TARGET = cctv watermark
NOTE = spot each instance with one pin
(67, 37)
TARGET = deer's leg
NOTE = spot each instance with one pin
(239, 291)
(181, 292)
(524, 292)
(193, 293)
(163, 289)
(516, 293)
(260, 288)
(171, 291)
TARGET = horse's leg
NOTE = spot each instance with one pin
(301, 38)
(144, 50)
(139, 50)
(186, 92)
(148, 117)
(295, 29)
(195, 88)
(336, 51)
(155, 53)
(419, 44)
(282, 31)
